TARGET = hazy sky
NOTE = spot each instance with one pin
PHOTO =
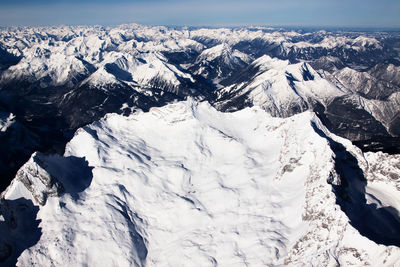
(356, 13)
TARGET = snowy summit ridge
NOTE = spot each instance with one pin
(186, 184)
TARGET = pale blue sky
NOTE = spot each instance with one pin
(317, 13)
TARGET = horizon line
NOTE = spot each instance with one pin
(222, 25)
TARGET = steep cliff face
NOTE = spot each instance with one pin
(186, 184)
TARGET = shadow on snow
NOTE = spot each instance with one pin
(379, 224)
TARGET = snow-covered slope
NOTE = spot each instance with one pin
(65, 55)
(140, 70)
(369, 84)
(377, 92)
(281, 88)
(218, 62)
(6, 120)
(187, 185)
(47, 68)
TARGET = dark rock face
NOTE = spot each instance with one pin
(47, 115)
(56, 175)
(344, 118)
(379, 224)
(7, 59)
(17, 143)
(347, 119)
(20, 229)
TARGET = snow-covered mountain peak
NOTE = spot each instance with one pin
(144, 69)
(101, 78)
(276, 85)
(215, 51)
(33, 182)
(195, 186)
(265, 62)
(154, 66)
(229, 56)
(364, 41)
(50, 69)
(299, 71)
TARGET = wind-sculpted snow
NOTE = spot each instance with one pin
(187, 185)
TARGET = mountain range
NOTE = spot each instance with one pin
(138, 145)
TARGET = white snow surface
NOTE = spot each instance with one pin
(60, 56)
(141, 68)
(273, 72)
(384, 179)
(270, 87)
(229, 55)
(186, 185)
(6, 120)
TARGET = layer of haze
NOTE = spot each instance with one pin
(316, 13)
